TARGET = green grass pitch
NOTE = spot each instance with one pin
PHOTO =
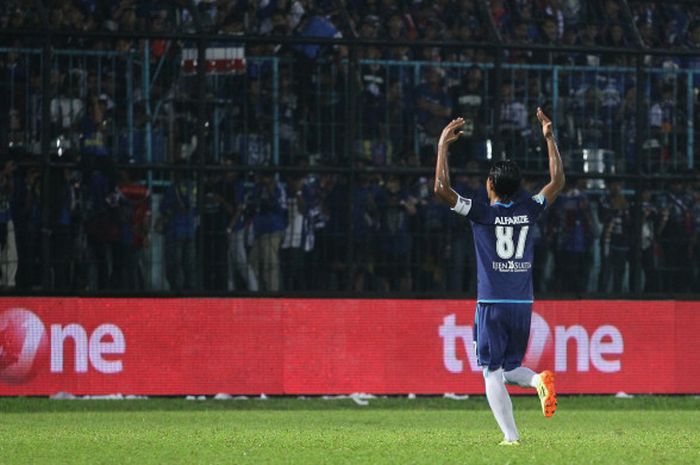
(585, 430)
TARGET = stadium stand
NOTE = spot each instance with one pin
(351, 132)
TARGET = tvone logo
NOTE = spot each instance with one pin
(25, 346)
(598, 350)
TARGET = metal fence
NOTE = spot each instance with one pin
(214, 167)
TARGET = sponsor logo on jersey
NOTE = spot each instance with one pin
(511, 266)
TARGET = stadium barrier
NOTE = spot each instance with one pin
(587, 105)
(324, 346)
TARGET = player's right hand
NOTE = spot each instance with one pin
(546, 124)
(451, 132)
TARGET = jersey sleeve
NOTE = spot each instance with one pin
(535, 206)
(474, 210)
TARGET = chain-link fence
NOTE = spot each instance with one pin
(194, 163)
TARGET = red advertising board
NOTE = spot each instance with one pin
(322, 346)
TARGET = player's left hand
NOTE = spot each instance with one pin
(451, 132)
(546, 124)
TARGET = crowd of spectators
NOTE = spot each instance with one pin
(399, 107)
(551, 22)
(369, 232)
(306, 231)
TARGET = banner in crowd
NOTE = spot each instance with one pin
(324, 346)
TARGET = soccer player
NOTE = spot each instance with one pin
(504, 268)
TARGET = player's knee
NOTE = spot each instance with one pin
(490, 372)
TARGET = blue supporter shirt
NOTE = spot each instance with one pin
(317, 26)
(504, 247)
(92, 142)
(272, 212)
(180, 205)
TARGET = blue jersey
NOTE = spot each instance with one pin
(504, 247)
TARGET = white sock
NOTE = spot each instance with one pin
(523, 377)
(500, 403)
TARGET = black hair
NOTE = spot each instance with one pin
(505, 176)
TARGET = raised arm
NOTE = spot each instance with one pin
(556, 169)
(442, 188)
